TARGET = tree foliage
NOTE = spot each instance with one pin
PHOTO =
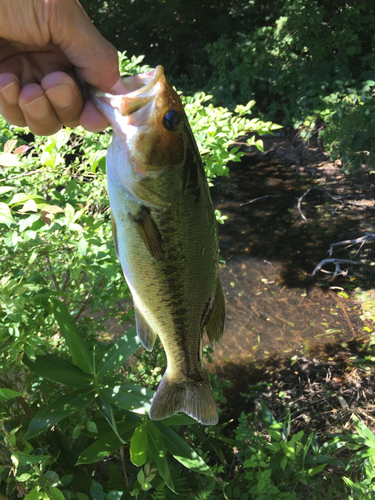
(302, 62)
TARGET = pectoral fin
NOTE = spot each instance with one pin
(215, 325)
(149, 232)
(145, 333)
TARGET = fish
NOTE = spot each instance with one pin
(165, 236)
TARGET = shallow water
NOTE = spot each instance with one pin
(274, 306)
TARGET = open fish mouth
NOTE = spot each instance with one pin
(144, 82)
(134, 105)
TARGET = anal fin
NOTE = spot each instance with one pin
(145, 333)
(215, 325)
(149, 232)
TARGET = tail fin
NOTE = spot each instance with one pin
(194, 398)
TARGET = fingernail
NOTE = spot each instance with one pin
(61, 96)
(11, 93)
(39, 108)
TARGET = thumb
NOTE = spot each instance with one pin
(95, 59)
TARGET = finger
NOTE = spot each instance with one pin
(38, 112)
(9, 95)
(91, 119)
(64, 96)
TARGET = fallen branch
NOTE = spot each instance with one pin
(349, 243)
(261, 198)
(334, 198)
(346, 315)
(337, 263)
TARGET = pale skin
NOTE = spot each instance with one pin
(48, 50)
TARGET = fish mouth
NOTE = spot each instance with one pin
(134, 105)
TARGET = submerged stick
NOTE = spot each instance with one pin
(261, 198)
(349, 243)
(334, 198)
(337, 263)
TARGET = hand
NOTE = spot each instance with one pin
(48, 49)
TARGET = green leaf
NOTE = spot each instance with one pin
(138, 446)
(91, 427)
(82, 247)
(5, 215)
(119, 352)
(106, 409)
(307, 445)
(77, 347)
(6, 189)
(82, 496)
(283, 462)
(8, 160)
(267, 415)
(96, 491)
(114, 495)
(129, 397)
(261, 485)
(364, 432)
(58, 370)
(158, 453)
(360, 455)
(140, 476)
(21, 198)
(55, 494)
(181, 450)
(6, 394)
(59, 409)
(108, 443)
(34, 494)
(316, 470)
(178, 419)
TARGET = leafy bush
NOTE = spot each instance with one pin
(301, 61)
(304, 68)
(294, 60)
(350, 127)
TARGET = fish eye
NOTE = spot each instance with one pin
(171, 120)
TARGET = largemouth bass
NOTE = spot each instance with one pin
(164, 231)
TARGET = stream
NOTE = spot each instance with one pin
(275, 308)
